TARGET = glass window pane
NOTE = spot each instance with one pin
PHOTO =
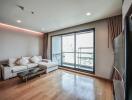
(56, 49)
(68, 59)
(68, 43)
(68, 50)
(64, 53)
(84, 50)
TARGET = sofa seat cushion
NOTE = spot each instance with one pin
(47, 65)
(19, 68)
(32, 65)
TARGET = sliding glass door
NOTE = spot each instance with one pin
(56, 49)
(85, 50)
(75, 50)
(68, 50)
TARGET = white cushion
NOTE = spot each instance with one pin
(23, 61)
(31, 65)
(35, 59)
(12, 62)
(40, 58)
(19, 68)
(48, 65)
(28, 58)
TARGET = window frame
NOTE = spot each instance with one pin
(74, 33)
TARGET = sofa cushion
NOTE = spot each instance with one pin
(23, 61)
(48, 65)
(31, 65)
(19, 68)
(34, 59)
(28, 58)
(12, 62)
(40, 58)
(17, 61)
(46, 60)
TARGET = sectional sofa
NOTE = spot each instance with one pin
(17, 65)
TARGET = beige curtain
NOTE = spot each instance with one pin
(45, 45)
(114, 28)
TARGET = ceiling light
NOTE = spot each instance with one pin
(88, 14)
(18, 21)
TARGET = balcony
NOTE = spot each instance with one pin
(74, 50)
(83, 60)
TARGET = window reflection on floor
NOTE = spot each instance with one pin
(81, 87)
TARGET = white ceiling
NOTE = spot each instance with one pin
(53, 15)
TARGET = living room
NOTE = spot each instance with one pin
(65, 50)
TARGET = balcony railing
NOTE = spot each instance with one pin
(83, 60)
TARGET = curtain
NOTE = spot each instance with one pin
(45, 45)
(114, 28)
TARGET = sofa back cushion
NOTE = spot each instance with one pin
(12, 61)
(23, 61)
(46, 60)
(35, 59)
(28, 58)
(40, 58)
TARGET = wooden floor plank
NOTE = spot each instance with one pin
(57, 85)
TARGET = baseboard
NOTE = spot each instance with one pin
(84, 73)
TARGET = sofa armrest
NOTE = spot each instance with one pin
(46, 60)
(6, 72)
(5, 65)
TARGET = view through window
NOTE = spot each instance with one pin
(75, 50)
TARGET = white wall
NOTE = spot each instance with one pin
(104, 55)
(17, 44)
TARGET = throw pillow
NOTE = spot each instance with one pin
(35, 59)
(23, 61)
(18, 61)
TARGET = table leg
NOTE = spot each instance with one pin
(26, 80)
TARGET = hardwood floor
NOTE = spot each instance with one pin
(57, 85)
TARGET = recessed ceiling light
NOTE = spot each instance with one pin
(18, 21)
(88, 13)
